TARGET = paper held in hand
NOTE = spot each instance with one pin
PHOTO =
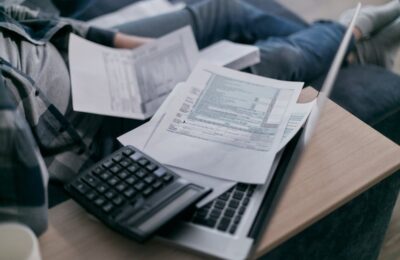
(129, 83)
(225, 124)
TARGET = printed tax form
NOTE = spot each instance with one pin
(129, 83)
(225, 124)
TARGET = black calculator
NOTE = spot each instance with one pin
(133, 193)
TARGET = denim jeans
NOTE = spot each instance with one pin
(289, 51)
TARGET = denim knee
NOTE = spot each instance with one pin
(283, 62)
(302, 56)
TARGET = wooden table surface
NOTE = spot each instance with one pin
(345, 158)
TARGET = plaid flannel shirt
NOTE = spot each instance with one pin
(23, 175)
(33, 131)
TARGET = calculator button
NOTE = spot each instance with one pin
(151, 167)
(91, 195)
(127, 152)
(118, 200)
(123, 174)
(108, 207)
(141, 173)
(99, 201)
(143, 161)
(108, 164)
(160, 172)
(82, 188)
(133, 168)
(115, 169)
(136, 156)
(148, 191)
(117, 157)
(110, 194)
(90, 180)
(125, 163)
(168, 177)
(113, 181)
(149, 179)
(105, 175)
(121, 186)
(130, 193)
(102, 188)
(139, 186)
(131, 180)
(97, 170)
(157, 184)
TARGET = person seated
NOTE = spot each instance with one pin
(34, 65)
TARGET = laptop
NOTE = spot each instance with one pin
(232, 225)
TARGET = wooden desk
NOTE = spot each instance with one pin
(345, 158)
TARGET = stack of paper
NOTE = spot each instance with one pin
(231, 55)
(222, 127)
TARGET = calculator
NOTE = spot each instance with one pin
(134, 194)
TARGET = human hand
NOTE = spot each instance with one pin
(126, 41)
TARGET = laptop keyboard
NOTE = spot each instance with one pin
(225, 212)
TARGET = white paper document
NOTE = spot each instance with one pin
(231, 55)
(129, 83)
(135, 11)
(140, 135)
(225, 124)
(297, 119)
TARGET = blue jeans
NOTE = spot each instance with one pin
(289, 51)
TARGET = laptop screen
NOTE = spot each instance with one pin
(330, 79)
